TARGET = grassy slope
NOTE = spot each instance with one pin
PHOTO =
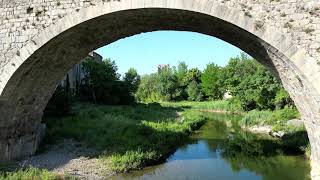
(132, 137)
(129, 137)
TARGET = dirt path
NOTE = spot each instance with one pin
(69, 157)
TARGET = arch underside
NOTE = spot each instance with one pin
(31, 86)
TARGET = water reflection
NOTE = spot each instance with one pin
(221, 150)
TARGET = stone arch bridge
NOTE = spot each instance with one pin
(40, 40)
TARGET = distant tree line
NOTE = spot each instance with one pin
(249, 83)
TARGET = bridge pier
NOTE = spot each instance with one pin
(18, 147)
(314, 134)
(315, 169)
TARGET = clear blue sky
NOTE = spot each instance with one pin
(146, 51)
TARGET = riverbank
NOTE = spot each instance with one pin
(220, 149)
(71, 158)
(124, 138)
(283, 124)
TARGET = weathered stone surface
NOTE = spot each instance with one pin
(295, 122)
(278, 134)
(23, 146)
(41, 40)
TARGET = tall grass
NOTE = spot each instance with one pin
(256, 117)
(219, 105)
(277, 118)
(32, 174)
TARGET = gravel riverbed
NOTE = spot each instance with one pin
(71, 158)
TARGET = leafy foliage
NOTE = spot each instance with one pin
(194, 92)
(212, 82)
(167, 83)
(99, 80)
(102, 83)
(282, 99)
(193, 74)
(147, 90)
(250, 84)
(132, 80)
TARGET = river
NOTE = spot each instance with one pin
(220, 150)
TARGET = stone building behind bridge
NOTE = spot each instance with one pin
(75, 76)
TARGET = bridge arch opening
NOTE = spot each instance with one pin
(34, 72)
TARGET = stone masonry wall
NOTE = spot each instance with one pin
(21, 20)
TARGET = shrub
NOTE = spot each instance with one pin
(132, 160)
(282, 99)
(285, 114)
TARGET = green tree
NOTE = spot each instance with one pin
(181, 72)
(100, 78)
(103, 83)
(212, 82)
(132, 79)
(258, 90)
(253, 86)
(193, 74)
(194, 91)
(147, 90)
(237, 70)
(167, 83)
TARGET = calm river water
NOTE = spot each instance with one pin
(222, 151)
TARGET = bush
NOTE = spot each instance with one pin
(282, 99)
(283, 115)
(132, 160)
